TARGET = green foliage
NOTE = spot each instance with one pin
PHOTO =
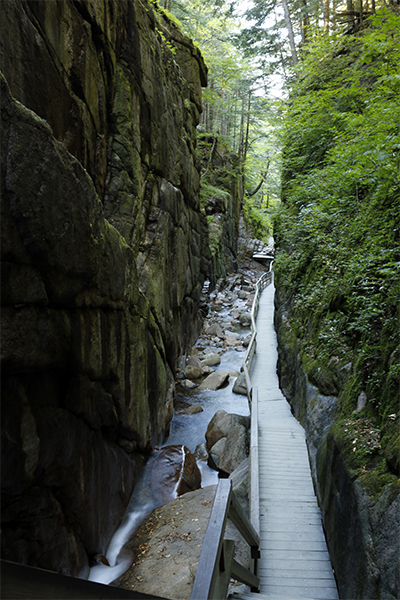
(208, 191)
(338, 228)
(257, 220)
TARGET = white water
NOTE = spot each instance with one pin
(187, 429)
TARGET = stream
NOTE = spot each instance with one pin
(185, 429)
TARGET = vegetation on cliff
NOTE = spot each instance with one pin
(337, 232)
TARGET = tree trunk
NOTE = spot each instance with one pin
(246, 141)
(305, 23)
(289, 26)
(326, 16)
(263, 176)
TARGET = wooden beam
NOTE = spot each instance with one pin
(241, 574)
(223, 574)
(208, 567)
(29, 583)
(240, 520)
(254, 464)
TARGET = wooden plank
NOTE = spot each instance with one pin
(240, 520)
(244, 576)
(208, 566)
(295, 565)
(299, 593)
(254, 464)
(30, 583)
(319, 545)
(302, 582)
(223, 572)
(316, 574)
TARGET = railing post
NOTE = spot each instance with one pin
(254, 474)
(210, 582)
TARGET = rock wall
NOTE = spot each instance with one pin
(104, 252)
(221, 198)
(362, 532)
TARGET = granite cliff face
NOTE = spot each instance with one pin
(104, 252)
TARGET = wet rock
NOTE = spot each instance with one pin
(217, 450)
(221, 424)
(127, 445)
(240, 387)
(215, 381)
(173, 539)
(189, 384)
(231, 342)
(245, 319)
(201, 452)
(241, 482)
(211, 359)
(174, 471)
(193, 409)
(194, 361)
(193, 372)
(242, 295)
(215, 330)
(247, 340)
(235, 449)
(181, 363)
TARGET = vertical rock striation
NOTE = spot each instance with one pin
(104, 252)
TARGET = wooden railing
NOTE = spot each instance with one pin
(217, 565)
(30, 583)
(264, 280)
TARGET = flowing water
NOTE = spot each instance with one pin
(185, 429)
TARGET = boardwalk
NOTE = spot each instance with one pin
(294, 560)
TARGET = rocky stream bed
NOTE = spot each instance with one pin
(157, 547)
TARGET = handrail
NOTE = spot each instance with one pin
(262, 282)
(252, 396)
(32, 583)
(217, 565)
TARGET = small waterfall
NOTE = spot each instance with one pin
(157, 485)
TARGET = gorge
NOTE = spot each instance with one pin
(108, 234)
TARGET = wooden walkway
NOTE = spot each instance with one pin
(294, 561)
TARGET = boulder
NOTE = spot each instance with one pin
(174, 472)
(215, 381)
(193, 409)
(193, 372)
(189, 384)
(247, 340)
(211, 359)
(241, 482)
(231, 341)
(217, 450)
(240, 387)
(235, 449)
(245, 319)
(221, 424)
(201, 452)
(167, 546)
(194, 361)
(215, 330)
